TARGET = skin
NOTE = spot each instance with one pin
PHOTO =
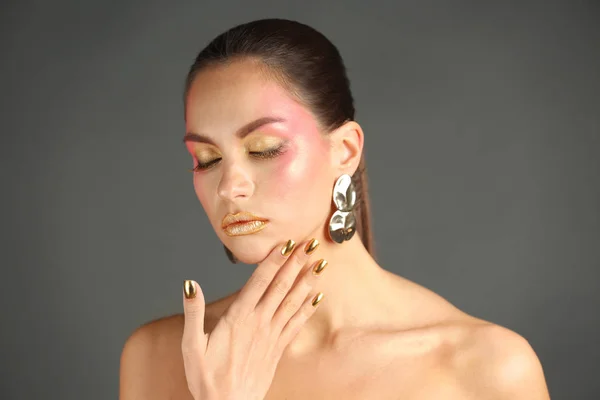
(375, 334)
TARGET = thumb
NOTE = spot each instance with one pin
(194, 309)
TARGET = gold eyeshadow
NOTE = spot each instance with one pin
(206, 155)
(258, 143)
(259, 147)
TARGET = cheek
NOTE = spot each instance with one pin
(205, 194)
(298, 174)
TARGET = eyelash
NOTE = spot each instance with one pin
(263, 155)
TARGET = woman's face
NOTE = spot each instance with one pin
(256, 149)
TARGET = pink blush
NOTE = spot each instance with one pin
(295, 172)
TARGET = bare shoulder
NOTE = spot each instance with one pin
(151, 365)
(497, 363)
(486, 360)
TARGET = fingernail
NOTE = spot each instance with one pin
(189, 289)
(311, 246)
(319, 267)
(317, 299)
(288, 248)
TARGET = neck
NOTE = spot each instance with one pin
(356, 291)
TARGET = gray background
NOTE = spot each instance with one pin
(482, 136)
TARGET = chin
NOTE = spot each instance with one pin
(249, 255)
(248, 249)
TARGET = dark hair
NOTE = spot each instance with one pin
(310, 67)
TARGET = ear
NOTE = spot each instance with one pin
(347, 143)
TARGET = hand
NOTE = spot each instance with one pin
(237, 360)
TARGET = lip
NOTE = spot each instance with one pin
(243, 223)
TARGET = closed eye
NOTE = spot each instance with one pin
(262, 155)
(270, 153)
(207, 165)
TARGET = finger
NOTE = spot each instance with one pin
(293, 326)
(297, 296)
(193, 342)
(259, 281)
(284, 280)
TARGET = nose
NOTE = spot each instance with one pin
(236, 183)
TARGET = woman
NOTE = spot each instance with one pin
(279, 171)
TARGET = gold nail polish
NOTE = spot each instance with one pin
(311, 246)
(319, 267)
(288, 248)
(189, 289)
(317, 299)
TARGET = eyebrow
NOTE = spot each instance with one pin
(241, 132)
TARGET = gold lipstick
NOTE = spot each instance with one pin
(242, 223)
